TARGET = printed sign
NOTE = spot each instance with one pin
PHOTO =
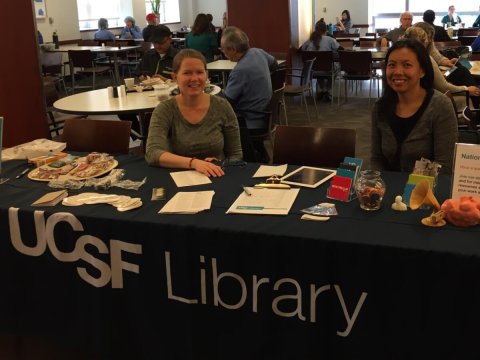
(466, 175)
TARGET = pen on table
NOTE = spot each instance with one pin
(246, 190)
(22, 173)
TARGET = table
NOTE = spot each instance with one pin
(99, 102)
(111, 50)
(475, 69)
(225, 66)
(141, 285)
(378, 54)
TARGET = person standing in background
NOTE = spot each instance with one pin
(451, 19)
(102, 33)
(201, 38)
(152, 21)
(440, 33)
(345, 23)
(130, 31)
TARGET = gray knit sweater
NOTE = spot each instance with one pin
(433, 137)
(217, 135)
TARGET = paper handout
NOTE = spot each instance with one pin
(188, 202)
(51, 198)
(189, 178)
(264, 202)
(267, 170)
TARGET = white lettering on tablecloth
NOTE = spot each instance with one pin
(287, 293)
(293, 300)
(45, 238)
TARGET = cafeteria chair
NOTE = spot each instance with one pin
(356, 66)
(277, 78)
(52, 66)
(459, 100)
(305, 86)
(323, 66)
(110, 136)
(84, 61)
(324, 147)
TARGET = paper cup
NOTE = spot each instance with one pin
(129, 83)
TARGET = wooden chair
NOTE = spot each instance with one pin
(467, 32)
(447, 44)
(368, 43)
(475, 56)
(313, 146)
(305, 85)
(346, 43)
(108, 136)
(85, 61)
(355, 66)
(323, 66)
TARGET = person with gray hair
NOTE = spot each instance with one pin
(103, 33)
(393, 35)
(131, 31)
(249, 87)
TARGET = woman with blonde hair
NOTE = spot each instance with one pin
(193, 129)
(440, 82)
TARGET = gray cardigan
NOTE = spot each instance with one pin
(433, 137)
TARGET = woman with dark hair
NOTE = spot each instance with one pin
(319, 41)
(411, 120)
(345, 23)
(201, 38)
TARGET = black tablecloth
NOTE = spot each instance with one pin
(143, 285)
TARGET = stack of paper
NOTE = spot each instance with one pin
(188, 202)
(264, 201)
(51, 198)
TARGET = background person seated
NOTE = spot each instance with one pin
(102, 33)
(249, 87)
(130, 31)
(393, 35)
(152, 21)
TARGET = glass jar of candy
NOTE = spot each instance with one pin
(370, 189)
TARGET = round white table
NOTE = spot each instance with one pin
(99, 102)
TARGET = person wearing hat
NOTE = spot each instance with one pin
(440, 33)
(152, 22)
(130, 31)
(157, 62)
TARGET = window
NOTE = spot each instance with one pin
(386, 14)
(169, 11)
(89, 11)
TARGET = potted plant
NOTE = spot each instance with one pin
(155, 6)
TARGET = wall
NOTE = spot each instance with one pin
(67, 26)
(21, 100)
(214, 7)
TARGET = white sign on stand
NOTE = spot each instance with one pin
(466, 171)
